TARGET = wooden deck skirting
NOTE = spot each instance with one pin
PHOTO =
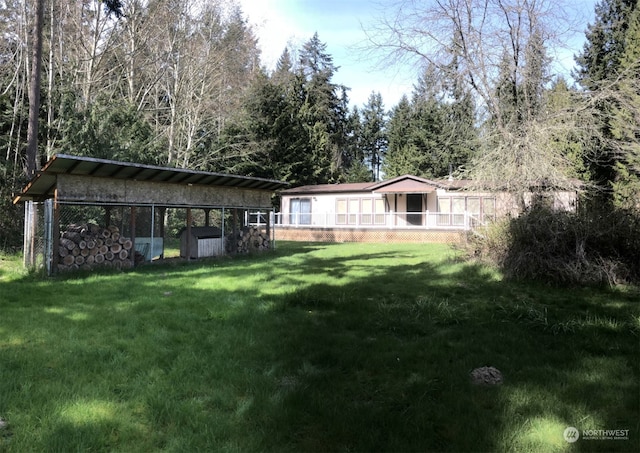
(283, 233)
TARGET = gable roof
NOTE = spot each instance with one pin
(406, 184)
(399, 184)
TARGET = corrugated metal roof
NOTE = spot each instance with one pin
(42, 186)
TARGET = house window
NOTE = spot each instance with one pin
(366, 216)
(354, 204)
(300, 211)
(458, 209)
(341, 211)
(488, 209)
(379, 211)
(444, 211)
(451, 210)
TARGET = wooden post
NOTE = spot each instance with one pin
(234, 226)
(267, 217)
(189, 219)
(55, 233)
(206, 217)
(162, 214)
(107, 216)
(132, 227)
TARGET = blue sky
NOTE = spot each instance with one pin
(340, 25)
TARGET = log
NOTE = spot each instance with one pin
(93, 228)
(74, 228)
(68, 243)
(72, 235)
(84, 246)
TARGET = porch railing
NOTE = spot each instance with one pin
(394, 220)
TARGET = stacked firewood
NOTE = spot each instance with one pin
(251, 239)
(87, 246)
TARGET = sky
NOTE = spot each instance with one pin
(341, 24)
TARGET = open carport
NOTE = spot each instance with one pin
(88, 200)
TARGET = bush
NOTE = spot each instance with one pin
(560, 247)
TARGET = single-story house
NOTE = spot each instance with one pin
(403, 204)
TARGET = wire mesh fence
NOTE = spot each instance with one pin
(89, 236)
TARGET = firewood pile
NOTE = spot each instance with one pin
(251, 239)
(87, 246)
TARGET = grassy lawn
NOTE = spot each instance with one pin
(315, 347)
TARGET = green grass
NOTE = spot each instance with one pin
(342, 347)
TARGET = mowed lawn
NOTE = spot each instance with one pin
(314, 347)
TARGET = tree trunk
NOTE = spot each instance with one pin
(34, 92)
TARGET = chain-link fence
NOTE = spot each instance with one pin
(37, 227)
(90, 236)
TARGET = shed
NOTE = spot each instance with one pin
(142, 195)
(204, 242)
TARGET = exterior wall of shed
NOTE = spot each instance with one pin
(73, 188)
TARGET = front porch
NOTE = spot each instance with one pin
(381, 235)
(414, 220)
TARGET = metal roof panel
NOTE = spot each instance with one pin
(42, 185)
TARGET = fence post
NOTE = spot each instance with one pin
(47, 251)
(55, 233)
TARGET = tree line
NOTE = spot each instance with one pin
(181, 83)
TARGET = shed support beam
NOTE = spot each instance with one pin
(163, 212)
(55, 233)
(234, 226)
(189, 221)
(132, 226)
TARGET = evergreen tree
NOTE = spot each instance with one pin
(323, 112)
(607, 62)
(374, 141)
(605, 42)
(625, 119)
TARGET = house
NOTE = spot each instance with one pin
(405, 208)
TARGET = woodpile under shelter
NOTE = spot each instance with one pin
(82, 213)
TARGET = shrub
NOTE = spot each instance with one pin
(582, 247)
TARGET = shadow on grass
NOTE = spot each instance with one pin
(371, 354)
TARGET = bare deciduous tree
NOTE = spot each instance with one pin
(501, 51)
